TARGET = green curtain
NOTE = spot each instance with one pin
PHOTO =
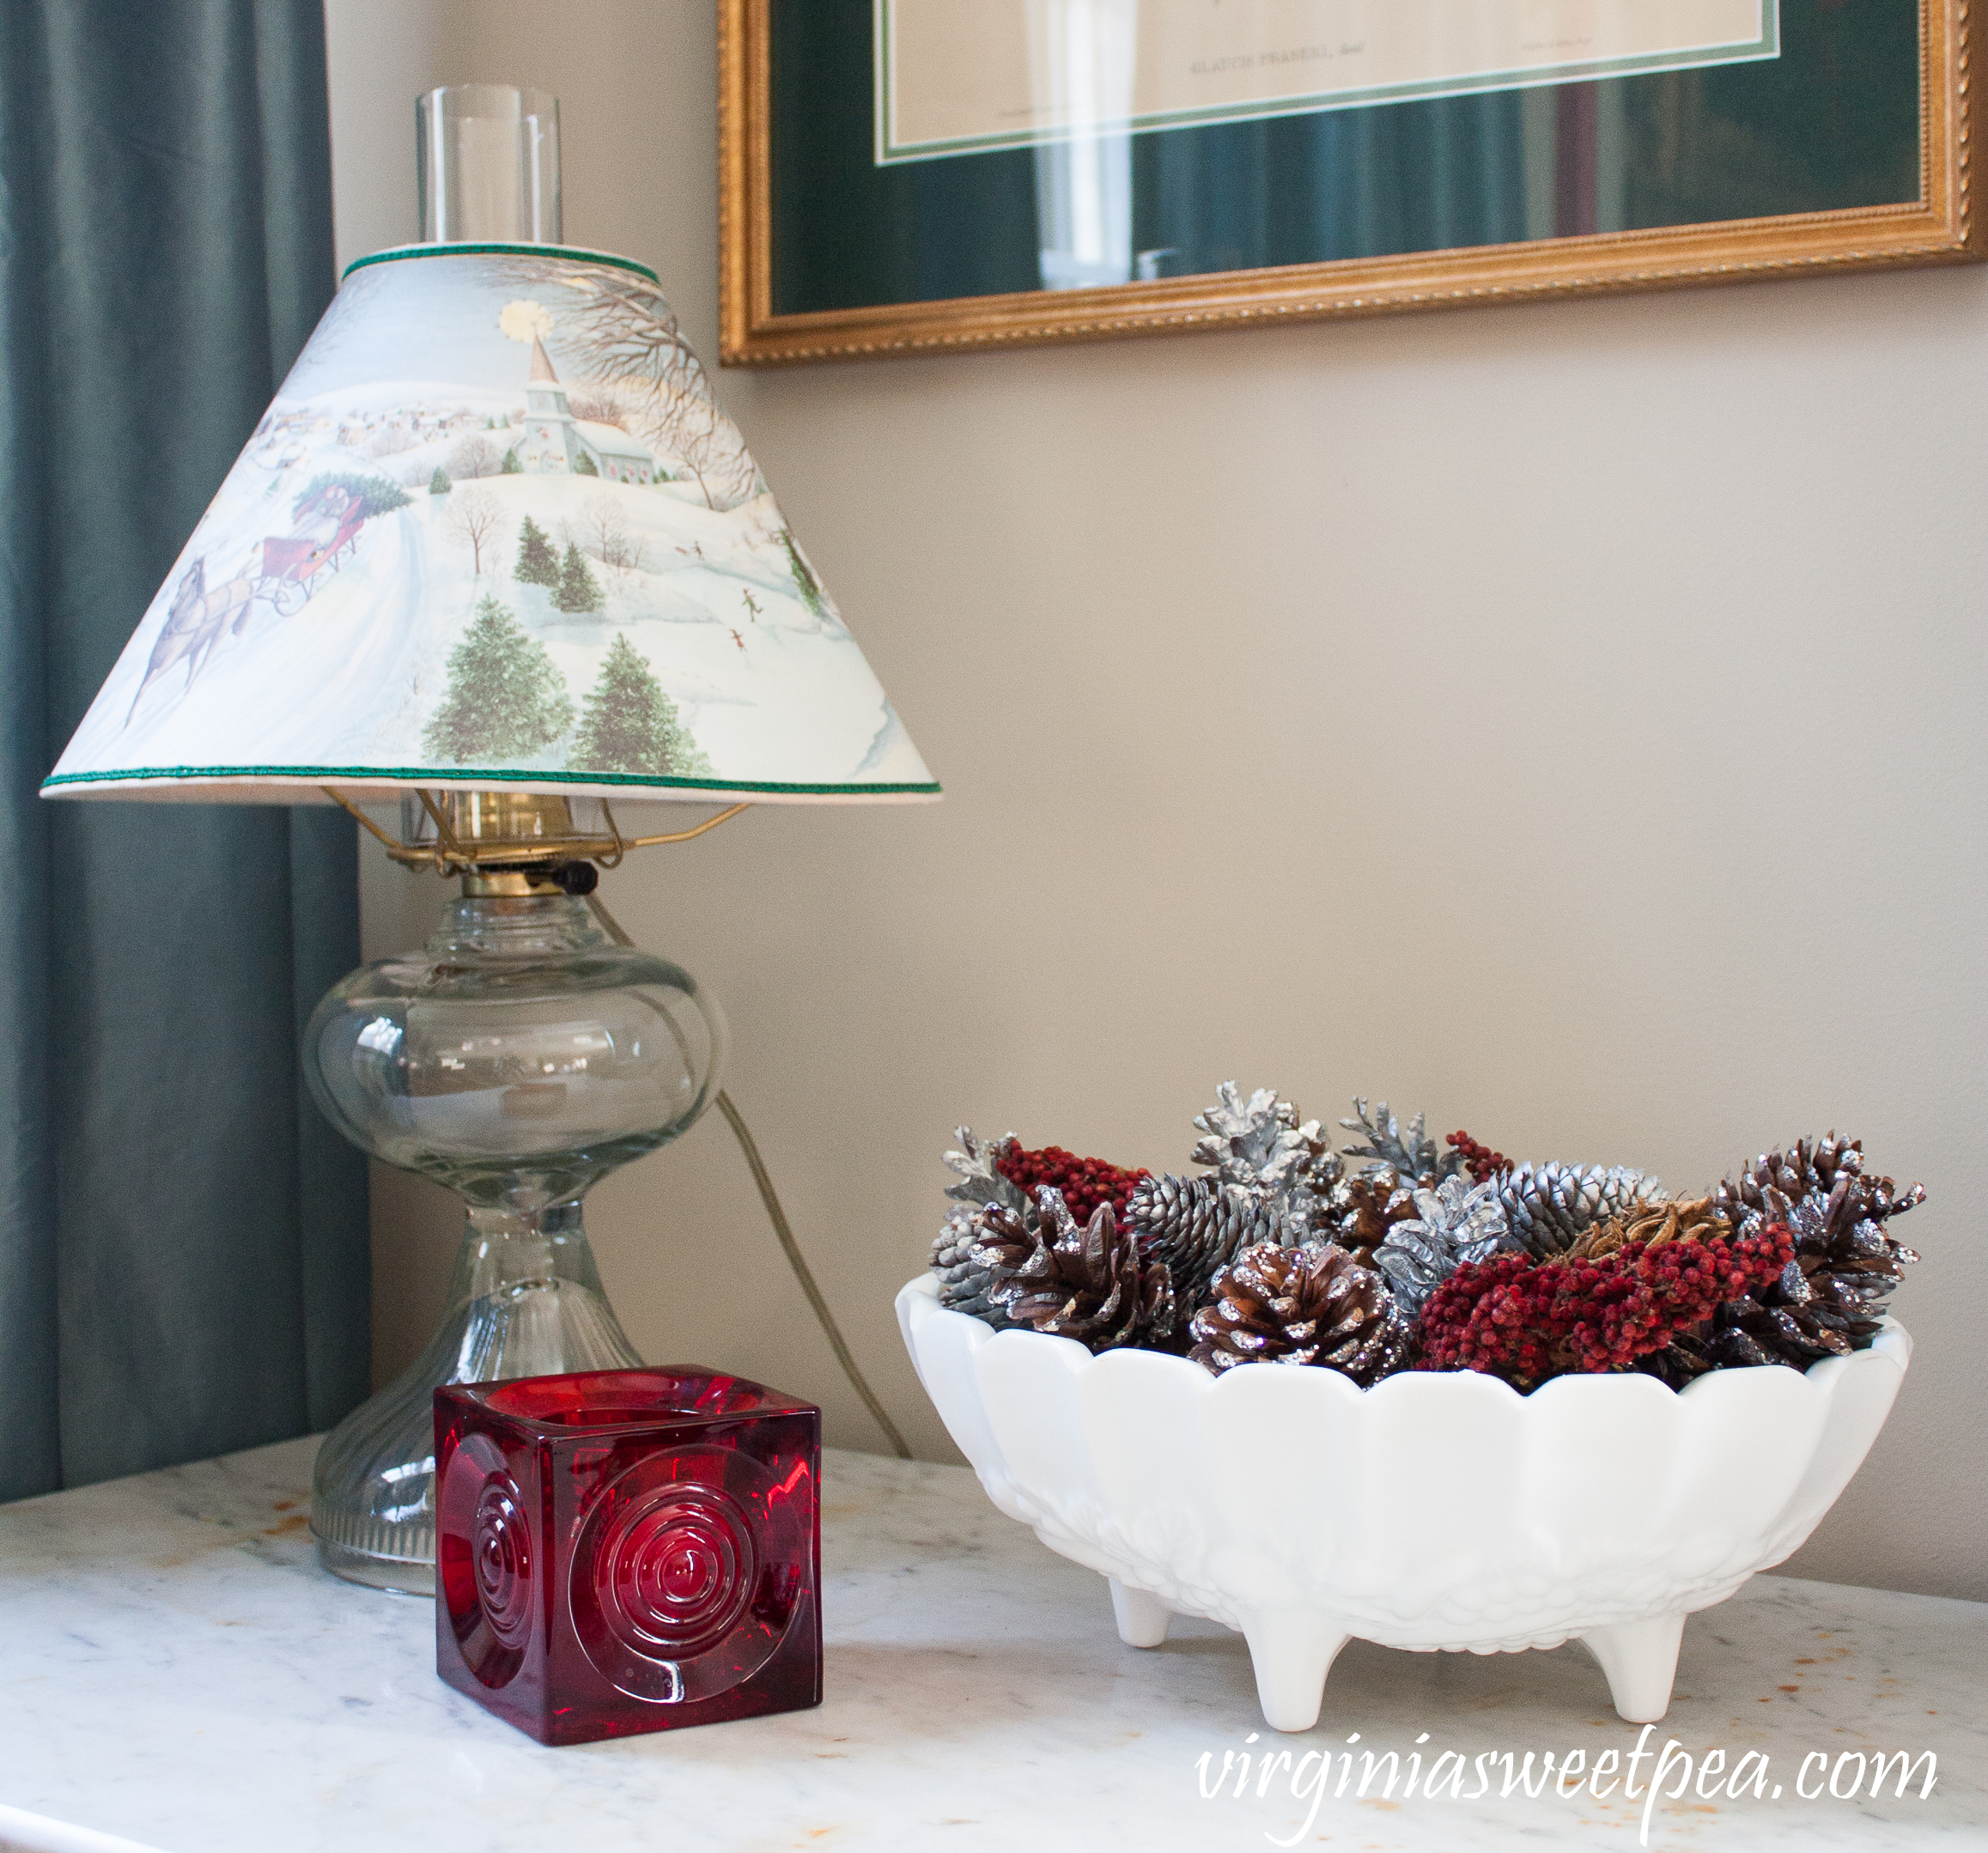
(183, 1240)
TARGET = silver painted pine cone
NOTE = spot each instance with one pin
(980, 1179)
(1546, 1206)
(1454, 1223)
(1193, 1225)
(966, 1282)
(1257, 1145)
(1413, 1154)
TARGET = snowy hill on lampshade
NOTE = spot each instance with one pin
(493, 529)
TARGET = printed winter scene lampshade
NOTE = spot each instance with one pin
(495, 529)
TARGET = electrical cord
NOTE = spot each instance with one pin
(782, 1229)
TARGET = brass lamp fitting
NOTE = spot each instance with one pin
(516, 843)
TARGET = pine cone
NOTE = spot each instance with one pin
(1085, 1283)
(1681, 1362)
(1454, 1223)
(1363, 1209)
(1413, 1154)
(1809, 1165)
(1195, 1225)
(1830, 1299)
(1314, 1305)
(965, 1280)
(1547, 1205)
(980, 1181)
(1257, 1145)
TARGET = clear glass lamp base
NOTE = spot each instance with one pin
(523, 1302)
(517, 1058)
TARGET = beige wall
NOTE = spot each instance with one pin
(1565, 717)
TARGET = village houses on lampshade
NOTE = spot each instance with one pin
(494, 530)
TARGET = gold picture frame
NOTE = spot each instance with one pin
(1941, 227)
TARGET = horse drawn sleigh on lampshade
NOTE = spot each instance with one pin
(283, 572)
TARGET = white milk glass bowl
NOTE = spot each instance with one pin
(1439, 1512)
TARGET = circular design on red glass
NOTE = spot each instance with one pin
(501, 1551)
(674, 1569)
(683, 1574)
(483, 1560)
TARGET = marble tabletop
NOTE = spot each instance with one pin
(176, 1671)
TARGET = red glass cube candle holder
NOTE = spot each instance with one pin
(627, 1551)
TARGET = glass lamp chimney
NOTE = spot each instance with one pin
(487, 163)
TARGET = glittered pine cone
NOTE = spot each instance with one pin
(1085, 1282)
(1830, 1299)
(1685, 1360)
(1811, 1166)
(1363, 1209)
(1195, 1225)
(1815, 1168)
(1313, 1305)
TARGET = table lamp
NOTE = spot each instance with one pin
(495, 552)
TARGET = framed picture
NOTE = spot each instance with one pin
(899, 176)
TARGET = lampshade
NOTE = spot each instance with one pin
(494, 530)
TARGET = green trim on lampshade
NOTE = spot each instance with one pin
(578, 256)
(428, 774)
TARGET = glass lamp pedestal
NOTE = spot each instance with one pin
(526, 1301)
(519, 1059)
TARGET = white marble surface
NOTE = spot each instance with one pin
(175, 1670)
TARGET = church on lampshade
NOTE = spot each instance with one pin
(555, 442)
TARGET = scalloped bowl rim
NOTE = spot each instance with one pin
(1893, 1343)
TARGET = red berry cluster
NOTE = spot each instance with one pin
(1527, 1320)
(1084, 1182)
(1480, 1161)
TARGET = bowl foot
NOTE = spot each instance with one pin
(1291, 1652)
(1640, 1658)
(1142, 1618)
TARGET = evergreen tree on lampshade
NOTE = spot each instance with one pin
(579, 589)
(505, 696)
(537, 562)
(628, 724)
